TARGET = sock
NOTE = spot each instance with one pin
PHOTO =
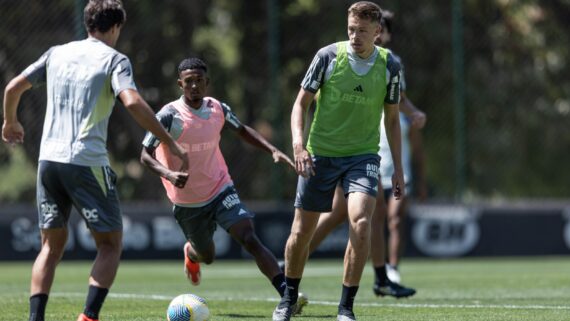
(279, 283)
(94, 301)
(347, 298)
(291, 292)
(380, 274)
(38, 304)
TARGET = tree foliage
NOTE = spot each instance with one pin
(515, 60)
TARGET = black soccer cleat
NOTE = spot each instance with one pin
(345, 315)
(392, 289)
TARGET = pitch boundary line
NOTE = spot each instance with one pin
(159, 297)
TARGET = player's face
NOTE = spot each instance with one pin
(193, 83)
(383, 37)
(361, 33)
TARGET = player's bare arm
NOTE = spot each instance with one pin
(12, 130)
(254, 138)
(393, 134)
(148, 159)
(144, 115)
(303, 161)
(417, 117)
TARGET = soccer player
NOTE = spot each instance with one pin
(354, 80)
(206, 195)
(411, 120)
(83, 80)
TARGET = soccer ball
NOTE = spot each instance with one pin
(188, 307)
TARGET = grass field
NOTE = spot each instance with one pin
(532, 289)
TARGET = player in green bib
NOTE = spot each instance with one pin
(353, 82)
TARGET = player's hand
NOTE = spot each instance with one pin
(177, 179)
(178, 151)
(303, 163)
(418, 119)
(279, 156)
(398, 185)
(13, 133)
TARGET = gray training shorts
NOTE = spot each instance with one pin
(91, 189)
(199, 223)
(354, 173)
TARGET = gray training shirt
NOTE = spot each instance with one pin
(83, 79)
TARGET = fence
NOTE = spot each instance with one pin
(509, 140)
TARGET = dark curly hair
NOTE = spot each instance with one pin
(386, 20)
(102, 15)
(192, 63)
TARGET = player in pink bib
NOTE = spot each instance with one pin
(205, 195)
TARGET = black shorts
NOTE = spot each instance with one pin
(199, 223)
(91, 189)
(354, 173)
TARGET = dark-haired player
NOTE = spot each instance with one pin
(206, 195)
(83, 80)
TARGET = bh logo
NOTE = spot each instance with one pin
(90, 215)
(49, 212)
(445, 231)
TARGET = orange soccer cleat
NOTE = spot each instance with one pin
(83, 317)
(191, 268)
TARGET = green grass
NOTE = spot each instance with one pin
(532, 289)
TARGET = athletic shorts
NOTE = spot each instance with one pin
(199, 223)
(353, 173)
(91, 189)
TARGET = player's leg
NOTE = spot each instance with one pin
(330, 220)
(382, 284)
(94, 195)
(314, 196)
(198, 226)
(360, 181)
(43, 270)
(54, 207)
(360, 208)
(396, 213)
(103, 272)
(243, 232)
(377, 238)
(296, 254)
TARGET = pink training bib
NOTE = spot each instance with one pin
(208, 172)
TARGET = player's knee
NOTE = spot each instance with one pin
(110, 249)
(203, 253)
(250, 241)
(208, 259)
(361, 227)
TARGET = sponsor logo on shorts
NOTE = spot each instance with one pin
(231, 201)
(242, 212)
(90, 215)
(49, 211)
(372, 170)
